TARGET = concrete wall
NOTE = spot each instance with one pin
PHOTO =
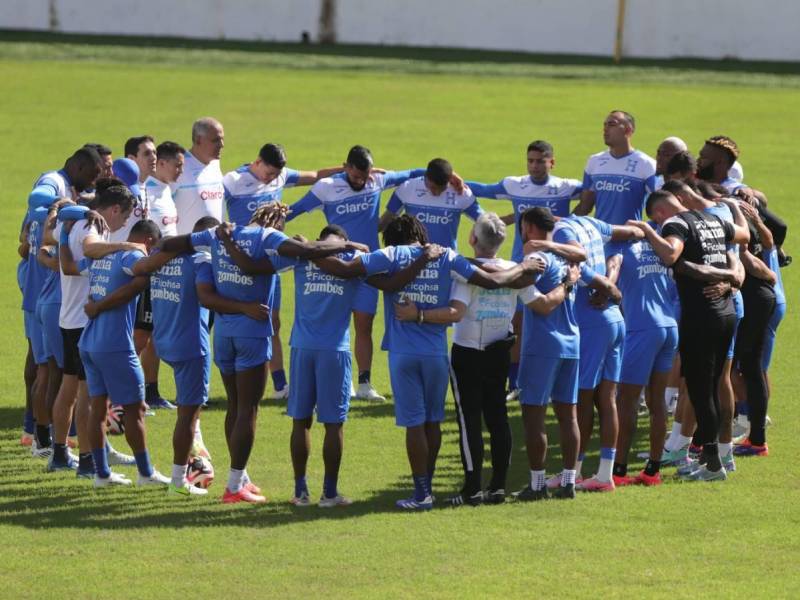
(744, 29)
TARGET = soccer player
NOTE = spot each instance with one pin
(435, 202)
(253, 185)
(352, 199)
(242, 341)
(142, 150)
(616, 181)
(156, 190)
(106, 345)
(694, 243)
(416, 339)
(199, 192)
(106, 158)
(668, 148)
(602, 330)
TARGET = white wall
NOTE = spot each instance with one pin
(745, 29)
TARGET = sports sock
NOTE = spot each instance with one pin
(430, 482)
(420, 487)
(363, 376)
(671, 445)
(143, 463)
(300, 486)
(101, 463)
(683, 441)
(606, 464)
(279, 379)
(86, 462)
(329, 486)
(59, 453)
(513, 372)
(245, 477)
(537, 480)
(711, 455)
(620, 469)
(73, 429)
(567, 477)
(668, 394)
(178, 475)
(235, 480)
(27, 422)
(151, 392)
(741, 408)
(652, 467)
(725, 449)
(579, 464)
(43, 436)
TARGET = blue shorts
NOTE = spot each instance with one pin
(601, 354)
(419, 386)
(274, 298)
(648, 351)
(240, 353)
(729, 356)
(51, 332)
(191, 380)
(117, 375)
(366, 299)
(542, 377)
(33, 331)
(321, 379)
(772, 330)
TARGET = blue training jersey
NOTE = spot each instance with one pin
(770, 257)
(35, 273)
(322, 304)
(111, 330)
(555, 335)
(440, 214)
(231, 282)
(356, 211)
(620, 184)
(647, 287)
(554, 193)
(592, 234)
(180, 323)
(51, 288)
(244, 193)
(430, 289)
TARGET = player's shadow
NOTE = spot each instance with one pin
(358, 408)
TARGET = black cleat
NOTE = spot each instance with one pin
(528, 494)
(565, 491)
(460, 500)
(494, 496)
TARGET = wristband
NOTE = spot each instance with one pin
(420, 317)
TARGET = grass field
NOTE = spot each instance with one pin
(59, 538)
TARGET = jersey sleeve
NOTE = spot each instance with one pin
(460, 266)
(650, 183)
(606, 230)
(395, 204)
(283, 263)
(271, 240)
(292, 177)
(474, 210)
(565, 235)
(202, 239)
(392, 179)
(129, 259)
(728, 229)
(529, 294)
(461, 291)
(487, 190)
(379, 261)
(576, 186)
(306, 204)
(203, 273)
(587, 274)
(73, 212)
(83, 266)
(676, 227)
(615, 249)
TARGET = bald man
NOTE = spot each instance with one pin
(666, 150)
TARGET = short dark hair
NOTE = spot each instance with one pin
(116, 195)
(539, 216)
(545, 148)
(439, 171)
(145, 228)
(169, 150)
(403, 230)
(333, 229)
(360, 157)
(628, 118)
(656, 197)
(132, 145)
(85, 156)
(104, 183)
(204, 223)
(101, 149)
(675, 187)
(682, 162)
(273, 154)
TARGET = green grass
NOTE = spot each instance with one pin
(61, 539)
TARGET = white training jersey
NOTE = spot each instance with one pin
(159, 206)
(736, 172)
(198, 193)
(139, 213)
(75, 288)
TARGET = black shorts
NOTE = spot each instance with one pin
(73, 365)
(144, 311)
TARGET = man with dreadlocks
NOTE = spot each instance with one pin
(242, 339)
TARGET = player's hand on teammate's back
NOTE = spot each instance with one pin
(715, 291)
(432, 251)
(256, 310)
(300, 238)
(224, 232)
(96, 220)
(573, 274)
(457, 182)
(534, 264)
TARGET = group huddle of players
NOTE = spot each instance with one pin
(671, 292)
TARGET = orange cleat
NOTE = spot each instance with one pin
(252, 488)
(26, 439)
(623, 481)
(644, 479)
(243, 495)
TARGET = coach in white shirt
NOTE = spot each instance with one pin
(199, 192)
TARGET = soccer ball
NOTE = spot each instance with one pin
(114, 422)
(200, 472)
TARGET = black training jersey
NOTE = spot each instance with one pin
(704, 239)
(754, 285)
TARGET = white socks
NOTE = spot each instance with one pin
(537, 480)
(567, 477)
(604, 470)
(235, 482)
(178, 475)
(725, 449)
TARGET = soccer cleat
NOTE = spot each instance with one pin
(71, 464)
(512, 395)
(553, 482)
(26, 439)
(184, 491)
(747, 448)
(366, 392)
(497, 496)
(113, 479)
(728, 462)
(704, 474)
(119, 459)
(741, 426)
(155, 478)
(670, 458)
(302, 500)
(694, 451)
(242, 495)
(337, 500)
(644, 479)
(85, 473)
(565, 492)
(593, 484)
(528, 494)
(411, 504)
(688, 466)
(622, 480)
(281, 394)
(460, 500)
(252, 488)
(38, 452)
(161, 403)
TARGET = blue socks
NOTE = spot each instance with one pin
(27, 422)
(300, 486)
(73, 430)
(279, 379)
(101, 463)
(608, 453)
(329, 486)
(513, 371)
(421, 489)
(143, 463)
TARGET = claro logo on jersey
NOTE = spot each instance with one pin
(207, 195)
(610, 186)
(434, 219)
(351, 208)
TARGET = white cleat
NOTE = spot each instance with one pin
(113, 479)
(155, 479)
(184, 491)
(119, 459)
(512, 395)
(37, 452)
(282, 394)
(366, 392)
(337, 500)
